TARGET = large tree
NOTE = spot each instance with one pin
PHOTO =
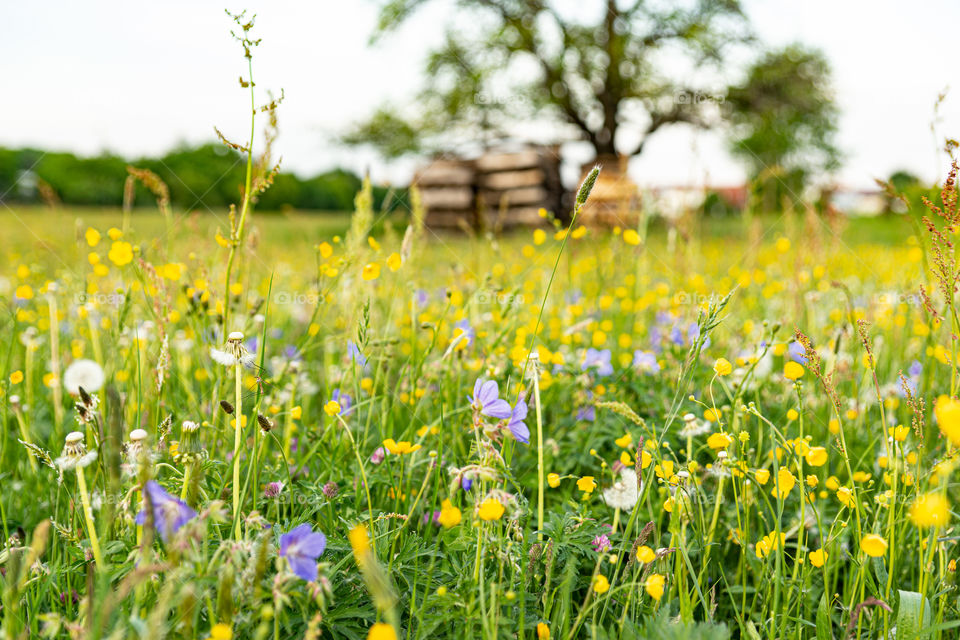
(600, 68)
(784, 120)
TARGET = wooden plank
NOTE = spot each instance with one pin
(515, 216)
(450, 219)
(535, 196)
(447, 197)
(445, 175)
(526, 159)
(512, 179)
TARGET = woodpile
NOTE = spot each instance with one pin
(614, 200)
(495, 190)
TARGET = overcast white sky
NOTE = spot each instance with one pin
(137, 77)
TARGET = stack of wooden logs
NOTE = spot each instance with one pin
(614, 200)
(495, 190)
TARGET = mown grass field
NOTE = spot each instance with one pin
(739, 428)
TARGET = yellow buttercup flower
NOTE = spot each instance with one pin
(785, 483)
(543, 631)
(221, 631)
(371, 271)
(394, 262)
(587, 484)
(930, 510)
(719, 441)
(845, 496)
(92, 236)
(450, 516)
(332, 408)
(600, 584)
(722, 367)
(816, 456)
(645, 554)
(382, 631)
(553, 479)
(400, 448)
(24, 292)
(792, 370)
(818, 557)
(654, 586)
(121, 253)
(16, 377)
(631, 237)
(769, 543)
(490, 509)
(873, 545)
(947, 412)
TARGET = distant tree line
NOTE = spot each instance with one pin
(206, 176)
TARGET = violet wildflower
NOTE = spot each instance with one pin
(587, 413)
(344, 400)
(599, 360)
(516, 425)
(797, 352)
(301, 546)
(486, 400)
(378, 455)
(645, 362)
(169, 513)
(463, 335)
(354, 352)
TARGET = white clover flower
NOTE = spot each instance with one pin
(83, 373)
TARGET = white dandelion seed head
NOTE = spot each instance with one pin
(235, 336)
(625, 492)
(83, 373)
(138, 435)
(223, 357)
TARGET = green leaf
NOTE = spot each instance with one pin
(909, 623)
(824, 623)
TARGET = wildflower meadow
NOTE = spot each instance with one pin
(244, 424)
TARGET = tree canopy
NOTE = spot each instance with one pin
(599, 70)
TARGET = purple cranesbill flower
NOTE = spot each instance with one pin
(915, 369)
(587, 412)
(486, 399)
(344, 400)
(797, 352)
(378, 455)
(169, 512)
(466, 483)
(421, 298)
(599, 360)
(676, 336)
(645, 362)
(466, 332)
(354, 352)
(516, 425)
(301, 546)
